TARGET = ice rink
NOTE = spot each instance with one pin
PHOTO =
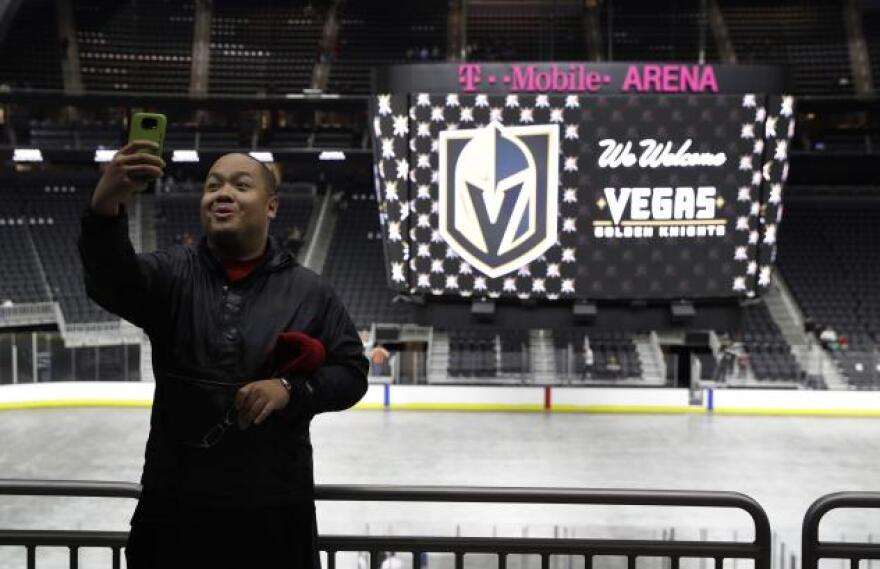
(783, 462)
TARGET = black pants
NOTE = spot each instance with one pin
(225, 537)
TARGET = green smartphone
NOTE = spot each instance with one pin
(148, 126)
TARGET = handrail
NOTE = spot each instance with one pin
(758, 550)
(812, 549)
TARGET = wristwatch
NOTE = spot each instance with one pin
(286, 384)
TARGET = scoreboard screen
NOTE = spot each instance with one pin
(532, 190)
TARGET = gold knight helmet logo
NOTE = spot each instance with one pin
(498, 189)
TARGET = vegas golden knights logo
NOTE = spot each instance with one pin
(499, 194)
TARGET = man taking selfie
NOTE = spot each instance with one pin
(247, 347)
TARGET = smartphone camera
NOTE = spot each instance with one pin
(150, 123)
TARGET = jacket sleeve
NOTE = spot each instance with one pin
(342, 381)
(119, 280)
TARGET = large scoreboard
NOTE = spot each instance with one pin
(580, 180)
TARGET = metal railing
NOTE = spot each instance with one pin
(758, 550)
(813, 550)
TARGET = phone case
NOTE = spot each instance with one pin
(148, 126)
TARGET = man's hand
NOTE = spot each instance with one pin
(128, 172)
(257, 400)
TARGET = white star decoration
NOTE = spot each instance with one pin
(509, 285)
(552, 270)
(775, 194)
(787, 106)
(452, 100)
(770, 127)
(402, 169)
(538, 285)
(748, 101)
(764, 277)
(571, 132)
(464, 269)
(569, 195)
(781, 150)
(745, 162)
(753, 237)
(397, 272)
(424, 192)
(752, 268)
(423, 100)
(742, 223)
(770, 234)
(401, 125)
(739, 283)
(744, 194)
(571, 102)
(391, 191)
(437, 266)
(384, 104)
(424, 161)
(387, 148)
(567, 285)
(437, 114)
(466, 115)
(423, 129)
(525, 115)
(451, 281)
(571, 164)
(481, 101)
(748, 131)
(740, 254)
(424, 220)
(495, 114)
(555, 115)
(511, 101)
(394, 231)
(542, 101)
(424, 280)
(424, 250)
(758, 147)
(568, 255)
(568, 225)
(479, 283)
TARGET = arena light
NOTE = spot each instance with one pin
(262, 156)
(27, 155)
(331, 155)
(104, 155)
(184, 156)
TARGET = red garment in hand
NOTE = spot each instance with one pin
(299, 353)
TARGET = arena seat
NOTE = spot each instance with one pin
(382, 32)
(827, 253)
(770, 355)
(30, 55)
(135, 46)
(264, 46)
(614, 354)
(525, 31)
(664, 30)
(807, 35)
(355, 265)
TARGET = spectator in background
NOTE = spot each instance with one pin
(843, 342)
(613, 366)
(186, 239)
(742, 364)
(828, 337)
(379, 358)
(589, 360)
(294, 240)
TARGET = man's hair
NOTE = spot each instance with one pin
(269, 180)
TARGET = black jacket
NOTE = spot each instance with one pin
(209, 337)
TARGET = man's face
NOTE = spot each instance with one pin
(236, 204)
